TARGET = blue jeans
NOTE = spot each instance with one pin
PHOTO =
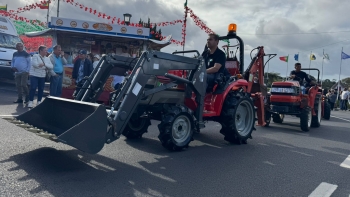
(56, 85)
(303, 89)
(36, 82)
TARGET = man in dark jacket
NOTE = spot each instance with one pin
(82, 67)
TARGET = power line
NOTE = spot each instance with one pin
(327, 45)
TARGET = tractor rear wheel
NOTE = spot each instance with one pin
(327, 111)
(277, 118)
(136, 127)
(176, 128)
(305, 119)
(237, 118)
(316, 120)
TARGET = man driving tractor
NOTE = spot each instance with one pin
(214, 59)
(298, 75)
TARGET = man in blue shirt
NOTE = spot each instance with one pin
(20, 64)
(57, 60)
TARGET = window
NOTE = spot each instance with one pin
(9, 41)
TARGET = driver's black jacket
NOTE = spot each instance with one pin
(300, 76)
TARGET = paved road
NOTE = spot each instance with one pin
(278, 161)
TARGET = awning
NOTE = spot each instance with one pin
(154, 44)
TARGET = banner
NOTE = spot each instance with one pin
(98, 28)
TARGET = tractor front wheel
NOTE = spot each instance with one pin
(176, 128)
(316, 120)
(305, 119)
(277, 118)
(237, 118)
(136, 127)
(327, 111)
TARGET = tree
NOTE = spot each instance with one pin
(327, 84)
(272, 77)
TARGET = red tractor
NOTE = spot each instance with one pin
(286, 98)
(165, 87)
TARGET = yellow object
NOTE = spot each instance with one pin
(239, 76)
(232, 27)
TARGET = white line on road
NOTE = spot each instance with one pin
(346, 163)
(324, 190)
(8, 115)
(341, 118)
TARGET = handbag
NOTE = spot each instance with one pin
(47, 76)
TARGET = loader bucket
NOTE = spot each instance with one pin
(78, 124)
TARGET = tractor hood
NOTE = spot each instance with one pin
(286, 83)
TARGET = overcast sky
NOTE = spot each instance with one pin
(302, 20)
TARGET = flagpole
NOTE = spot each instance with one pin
(287, 67)
(341, 60)
(310, 61)
(298, 57)
(322, 68)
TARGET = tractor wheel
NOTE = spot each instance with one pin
(305, 119)
(237, 118)
(277, 118)
(176, 128)
(267, 118)
(327, 111)
(316, 120)
(136, 128)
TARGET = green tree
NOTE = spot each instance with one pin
(271, 77)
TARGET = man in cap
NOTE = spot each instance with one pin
(82, 68)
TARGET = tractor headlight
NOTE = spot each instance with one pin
(282, 90)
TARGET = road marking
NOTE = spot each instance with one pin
(341, 118)
(324, 190)
(8, 115)
(346, 163)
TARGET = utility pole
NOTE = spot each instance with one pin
(58, 8)
(47, 16)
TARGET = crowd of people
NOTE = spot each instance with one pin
(45, 67)
(343, 97)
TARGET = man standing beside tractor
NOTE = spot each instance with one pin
(298, 75)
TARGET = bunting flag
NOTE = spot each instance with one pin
(326, 56)
(284, 58)
(44, 6)
(344, 56)
(3, 7)
(296, 57)
(312, 57)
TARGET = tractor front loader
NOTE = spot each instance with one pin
(165, 87)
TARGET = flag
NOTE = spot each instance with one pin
(296, 57)
(284, 58)
(44, 6)
(3, 7)
(326, 56)
(344, 55)
(312, 57)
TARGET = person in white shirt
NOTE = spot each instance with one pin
(37, 74)
(344, 100)
(117, 80)
(96, 60)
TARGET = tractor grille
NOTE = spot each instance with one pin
(285, 90)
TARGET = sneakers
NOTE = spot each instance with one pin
(38, 102)
(30, 104)
(18, 101)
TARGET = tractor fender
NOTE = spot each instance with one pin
(220, 98)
